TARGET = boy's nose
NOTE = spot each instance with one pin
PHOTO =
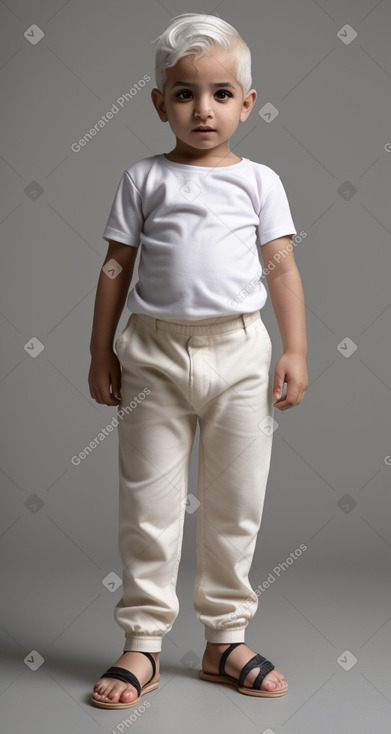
(203, 118)
(202, 109)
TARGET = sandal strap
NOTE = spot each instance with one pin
(257, 661)
(266, 668)
(126, 676)
(122, 674)
(152, 659)
(225, 654)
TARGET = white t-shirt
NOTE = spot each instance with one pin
(200, 231)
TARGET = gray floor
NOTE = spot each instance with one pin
(343, 620)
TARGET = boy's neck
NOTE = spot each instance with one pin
(210, 158)
(205, 162)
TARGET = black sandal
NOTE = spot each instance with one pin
(258, 661)
(127, 677)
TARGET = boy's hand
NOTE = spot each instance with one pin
(105, 370)
(292, 369)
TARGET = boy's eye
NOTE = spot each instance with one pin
(184, 91)
(187, 91)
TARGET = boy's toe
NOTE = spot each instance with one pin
(128, 694)
(273, 681)
(117, 693)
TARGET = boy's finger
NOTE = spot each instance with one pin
(280, 388)
(277, 387)
(116, 389)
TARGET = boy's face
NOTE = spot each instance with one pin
(191, 98)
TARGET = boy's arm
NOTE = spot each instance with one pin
(287, 296)
(109, 303)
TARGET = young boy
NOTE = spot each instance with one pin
(195, 348)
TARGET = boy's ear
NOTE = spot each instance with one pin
(248, 104)
(158, 102)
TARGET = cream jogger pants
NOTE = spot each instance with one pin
(216, 370)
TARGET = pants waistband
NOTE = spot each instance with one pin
(214, 325)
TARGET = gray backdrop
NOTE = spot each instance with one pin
(325, 618)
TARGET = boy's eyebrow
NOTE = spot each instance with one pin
(190, 84)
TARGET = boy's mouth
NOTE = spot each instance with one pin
(204, 129)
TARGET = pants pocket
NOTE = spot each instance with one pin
(122, 339)
(266, 337)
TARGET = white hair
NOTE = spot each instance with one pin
(199, 34)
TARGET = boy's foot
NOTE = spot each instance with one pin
(272, 682)
(111, 690)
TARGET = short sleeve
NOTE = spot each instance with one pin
(126, 219)
(275, 219)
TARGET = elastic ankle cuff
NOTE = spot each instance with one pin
(225, 636)
(143, 643)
